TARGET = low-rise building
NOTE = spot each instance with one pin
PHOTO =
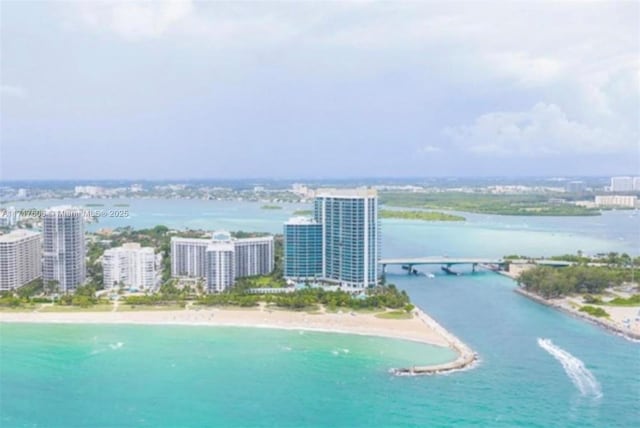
(622, 201)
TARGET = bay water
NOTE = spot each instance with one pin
(170, 376)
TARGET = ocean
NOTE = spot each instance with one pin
(159, 376)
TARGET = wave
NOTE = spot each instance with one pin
(581, 377)
(116, 345)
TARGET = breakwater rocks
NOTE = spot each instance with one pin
(606, 324)
(466, 357)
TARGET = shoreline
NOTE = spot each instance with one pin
(606, 324)
(421, 328)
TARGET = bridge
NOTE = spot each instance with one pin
(408, 262)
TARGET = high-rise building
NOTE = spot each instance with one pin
(251, 256)
(188, 257)
(636, 184)
(130, 265)
(621, 184)
(350, 235)
(20, 258)
(575, 186)
(302, 249)
(220, 263)
(64, 247)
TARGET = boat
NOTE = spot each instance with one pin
(449, 271)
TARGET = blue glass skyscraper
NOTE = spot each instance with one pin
(302, 249)
(340, 244)
(350, 235)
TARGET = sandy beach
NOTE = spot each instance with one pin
(420, 327)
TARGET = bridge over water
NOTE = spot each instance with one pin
(409, 262)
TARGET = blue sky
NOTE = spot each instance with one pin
(183, 89)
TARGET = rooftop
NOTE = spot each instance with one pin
(360, 192)
(17, 235)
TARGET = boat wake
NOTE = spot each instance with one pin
(581, 377)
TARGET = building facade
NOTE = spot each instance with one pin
(302, 249)
(621, 201)
(130, 265)
(188, 257)
(20, 258)
(621, 184)
(350, 236)
(192, 258)
(63, 247)
(220, 263)
(253, 256)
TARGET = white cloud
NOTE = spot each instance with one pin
(134, 20)
(543, 130)
(12, 91)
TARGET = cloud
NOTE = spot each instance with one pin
(135, 20)
(12, 91)
(543, 130)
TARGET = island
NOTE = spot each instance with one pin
(520, 205)
(271, 207)
(420, 215)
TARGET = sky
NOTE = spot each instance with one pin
(182, 89)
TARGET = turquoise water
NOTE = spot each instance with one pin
(70, 376)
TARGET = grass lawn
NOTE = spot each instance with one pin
(29, 308)
(395, 315)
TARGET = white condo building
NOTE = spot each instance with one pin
(621, 184)
(188, 257)
(220, 263)
(209, 258)
(616, 201)
(63, 247)
(130, 265)
(20, 258)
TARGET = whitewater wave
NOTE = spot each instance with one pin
(116, 345)
(581, 377)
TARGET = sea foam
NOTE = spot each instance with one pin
(581, 377)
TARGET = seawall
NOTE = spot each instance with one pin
(466, 356)
(583, 315)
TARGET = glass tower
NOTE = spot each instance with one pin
(302, 249)
(350, 235)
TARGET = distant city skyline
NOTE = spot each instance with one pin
(185, 90)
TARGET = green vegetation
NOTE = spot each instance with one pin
(271, 207)
(420, 215)
(395, 315)
(120, 205)
(557, 282)
(303, 212)
(526, 205)
(310, 298)
(596, 312)
(94, 205)
(631, 301)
